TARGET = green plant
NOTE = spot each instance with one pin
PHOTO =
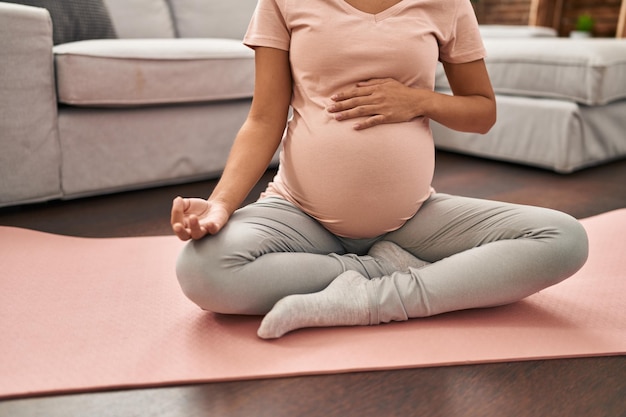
(585, 23)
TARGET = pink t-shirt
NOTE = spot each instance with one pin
(359, 184)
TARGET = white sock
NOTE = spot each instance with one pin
(393, 254)
(344, 302)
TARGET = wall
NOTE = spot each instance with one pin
(604, 12)
(502, 12)
(562, 13)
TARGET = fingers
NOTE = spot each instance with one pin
(369, 114)
(213, 228)
(353, 103)
(370, 122)
(180, 231)
(195, 229)
(191, 220)
(177, 219)
(178, 210)
(353, 112)
(376, 101)
(215, 220)
(348, 108)
(185, 228)
(362, 88)
(351, 93)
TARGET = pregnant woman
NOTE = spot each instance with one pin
(350, 231)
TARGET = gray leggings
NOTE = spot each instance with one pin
(480, 253)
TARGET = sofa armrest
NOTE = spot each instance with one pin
(30, 157)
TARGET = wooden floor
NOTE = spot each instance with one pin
(589, 387)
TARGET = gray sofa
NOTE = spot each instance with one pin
(561, 102)
(160, 104)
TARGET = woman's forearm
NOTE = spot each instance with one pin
(463, 113)
(472, 107)
(259, 137)
(252, 151)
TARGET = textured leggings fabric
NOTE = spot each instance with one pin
(481, 253)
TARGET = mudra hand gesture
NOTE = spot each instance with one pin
(194, 218)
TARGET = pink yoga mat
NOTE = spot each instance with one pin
(81, 314)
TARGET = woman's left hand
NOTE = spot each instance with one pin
(381, 100)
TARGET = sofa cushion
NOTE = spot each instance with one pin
(141, 18)
(516, 31)
(75, 20)
(212, 18)
(586, 71)
(135, 72)
(117, 149)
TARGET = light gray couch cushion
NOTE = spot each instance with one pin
(107, 150)
(212, 18)
(516, 31)
(587, 71)
(135, 72)
(141, 18)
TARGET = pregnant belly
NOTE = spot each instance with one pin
(357, 183)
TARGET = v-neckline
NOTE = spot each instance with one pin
(376, 16)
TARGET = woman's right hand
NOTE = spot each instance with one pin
(194, 218)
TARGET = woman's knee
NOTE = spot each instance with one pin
(194, 274)
(575, 243)
(216, 275)
(202, 277)
(569, 244)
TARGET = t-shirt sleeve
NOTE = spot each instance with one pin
(462, 42)
(268, 26)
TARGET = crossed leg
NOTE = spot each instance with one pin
(481, 253)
